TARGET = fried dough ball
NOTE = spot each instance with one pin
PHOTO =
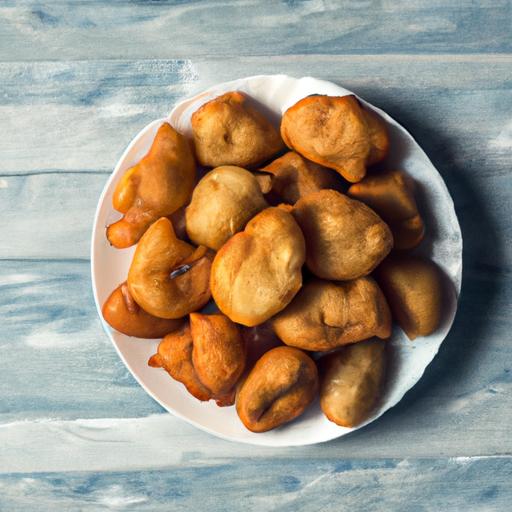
(230, 131)
(336, 132)
(222, 204)
(175, 356)
(281, 385)
(344, 238)
(219, 352)
(326, 315)
(351, 382)
(414, 289)
(295, 177)
(156, 187)
(258, 271)
(122, 313)
(169, 278)
(391, 195)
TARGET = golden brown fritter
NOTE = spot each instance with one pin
(230, 131)
(258, 271)
(336, 132)
(219, 352)
(294, 177)
(391, 195)
(326, 315)
(169, 278)
(413, 287)
(222, 204)
(122, 313)
(277, 390)
(175, 356)
(351, 382)
(156, 187)
(344, 238)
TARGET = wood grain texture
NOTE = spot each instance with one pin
(311, 484)
(78, 79)
(40, 30)
(79, 116)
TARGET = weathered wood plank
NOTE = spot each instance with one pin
(48, 215)
(60, 374)
(79, 116)
(60, 30)
(401, 485)
(106, 103)
(59, 360)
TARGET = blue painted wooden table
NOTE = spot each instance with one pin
(77, 80)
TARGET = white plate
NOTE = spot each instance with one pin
(443, 244)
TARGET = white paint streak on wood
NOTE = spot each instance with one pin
(503, 142)
(429, 485)
(155, 441)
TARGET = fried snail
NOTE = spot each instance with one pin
(326, 315)
(222, 203)
(169, 278)
(344, 238)
(258, 271)
(391, 195)
(336, 132)
(413, 287)
(122, 313)
(229, 131)
(155, 187)
(351, 382)
(279, 388)
(294, 177)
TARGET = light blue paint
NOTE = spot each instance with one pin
(480, 484)
(77, 81)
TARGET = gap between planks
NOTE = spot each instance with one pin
(355, 57)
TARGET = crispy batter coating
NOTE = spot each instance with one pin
(391, 195)
(175, 356)
(278, 389)
(344, 238)
(414, 289)
(351, 382)
(230, 131)
(295, 177)
(258, 271)
(379, 140)
(157, 186)
(122, 313)
(219, 352)
(326, 315)
(222, 204)
(169, 278)
(336, 132)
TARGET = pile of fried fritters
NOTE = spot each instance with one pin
(298, 238)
